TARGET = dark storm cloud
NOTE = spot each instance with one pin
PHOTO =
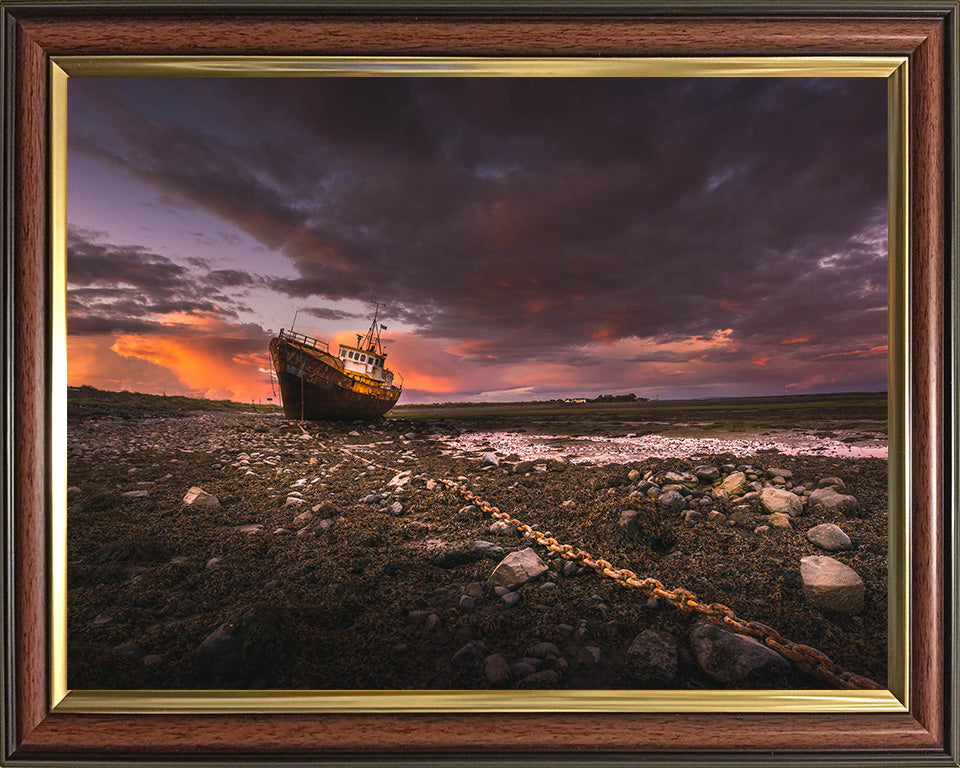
(523, 218)
(127, 288)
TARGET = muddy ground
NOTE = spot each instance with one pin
(359, 594)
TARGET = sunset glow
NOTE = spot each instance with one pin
(530, 239)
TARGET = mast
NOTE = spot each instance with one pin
(371, 341)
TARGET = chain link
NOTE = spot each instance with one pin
(808, 659)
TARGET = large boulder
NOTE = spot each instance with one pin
(517, 568)
(829, 499)
(829, 537)
(777, 500)
(732, 659)
(829, 585)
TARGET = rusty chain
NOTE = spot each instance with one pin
(808, 659)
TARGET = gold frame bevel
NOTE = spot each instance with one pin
(895, 699)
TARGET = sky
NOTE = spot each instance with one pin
(530, 238)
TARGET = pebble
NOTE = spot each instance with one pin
(433, 623)
(496, 670)
(548, 678)
(197, 497)
(135, 494)
(518, 568)
(830, 585)
(829, 537)
(779, 501)
(733, 659)
(467, 604)
(511, 598)
(830, 500)
(542, 649)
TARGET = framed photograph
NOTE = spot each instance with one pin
(667, 296)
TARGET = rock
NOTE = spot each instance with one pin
(503, 527)
(542, 649)
(197, 497)
(469, 655)
(294, 501)
(475, 590)
(829, 537)
(522, 467)
(733, 483)
(467, 604)
(213, 563)
(732, 659)
(691, 516)
(489, 460)
(672, 500)
(518, 568)
(520, 669)
(353, 433)
(548, 586)
(257, 638)
(628, 523)
(707, 473)
(152, 660)
(831, 482)
(779, 501)
(570, 568)
(716, 517)
(400, 480)
(830, 500)
(433, 623)
(780, 520)
(496, 671)
(786, 474)
(396, 509)
(829, 585)
(652, 658)
(633, 475)
(303, 517)
(511, 598)
(548, 678)
(488, 549)
(469, 512)
(135, 494)
(129, 649)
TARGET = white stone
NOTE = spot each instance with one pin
(830, 585)
(197, 497)
(518, 568)
(776, 500)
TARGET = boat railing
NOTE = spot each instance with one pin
(303, 339)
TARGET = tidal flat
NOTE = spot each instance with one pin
(330, 555)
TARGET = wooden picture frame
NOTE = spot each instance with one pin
(925, 32)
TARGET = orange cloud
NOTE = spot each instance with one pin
(205, 365)
(798, 340)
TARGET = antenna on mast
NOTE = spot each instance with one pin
(294, 319)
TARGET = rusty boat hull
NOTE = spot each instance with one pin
(314, 386)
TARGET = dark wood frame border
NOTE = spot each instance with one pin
(926, 32)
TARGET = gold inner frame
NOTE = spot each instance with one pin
(895, 699)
